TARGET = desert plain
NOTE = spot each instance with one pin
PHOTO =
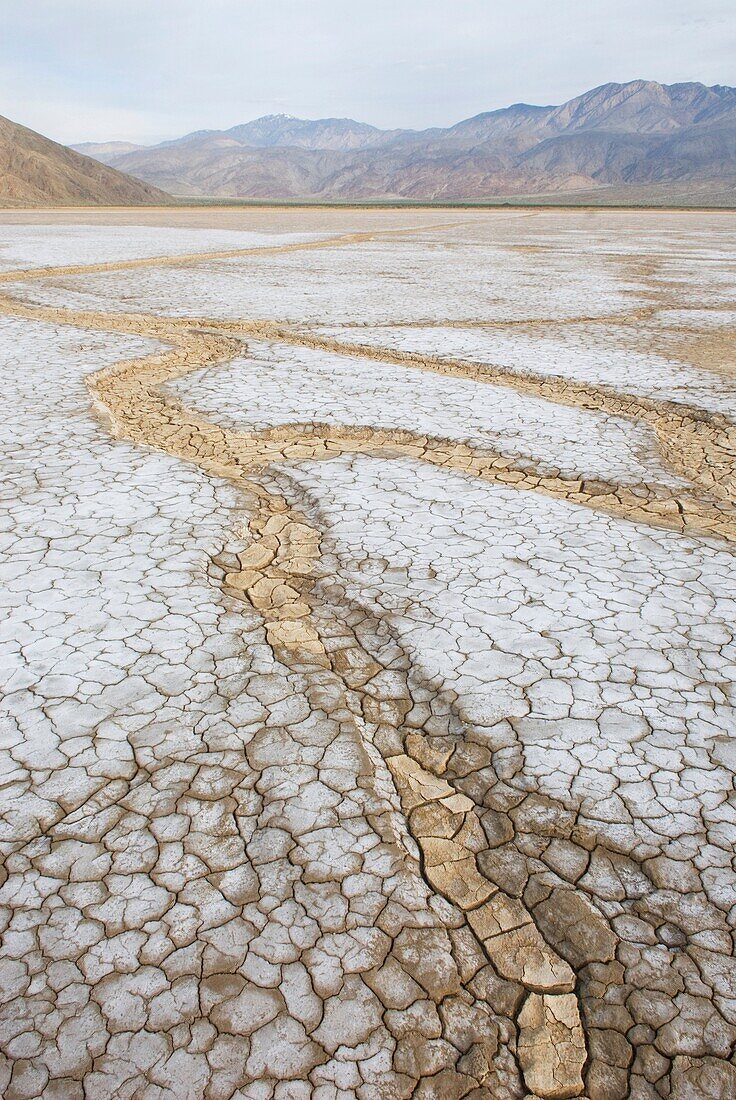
(368, 654)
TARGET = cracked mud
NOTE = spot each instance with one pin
(368, 658)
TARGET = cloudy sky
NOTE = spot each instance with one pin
(146, 70)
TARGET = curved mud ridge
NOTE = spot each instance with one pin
(696, 446)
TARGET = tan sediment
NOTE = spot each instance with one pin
(274, 571)
(714, 352)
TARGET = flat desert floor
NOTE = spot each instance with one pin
(368, 654)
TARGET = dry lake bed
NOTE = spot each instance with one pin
(368, 655)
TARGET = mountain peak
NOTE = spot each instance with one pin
(321, 133)
(615, 135)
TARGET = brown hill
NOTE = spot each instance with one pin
(35, 171)
(638, 135)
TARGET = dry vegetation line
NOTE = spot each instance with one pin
(275, 576)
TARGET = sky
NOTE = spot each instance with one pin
(149, 70)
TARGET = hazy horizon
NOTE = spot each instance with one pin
(100, 70)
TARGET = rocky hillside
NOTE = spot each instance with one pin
(35, 171)
(616, 136)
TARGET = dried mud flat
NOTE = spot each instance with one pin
(368, 655)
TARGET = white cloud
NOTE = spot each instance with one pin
(95, 69)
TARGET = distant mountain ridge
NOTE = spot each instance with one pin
(37, 171)
(106, 148)
(638, 134)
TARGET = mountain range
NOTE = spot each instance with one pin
(640, 138)
(37, 171)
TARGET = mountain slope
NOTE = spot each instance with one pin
(36, 171)
(617, 135)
